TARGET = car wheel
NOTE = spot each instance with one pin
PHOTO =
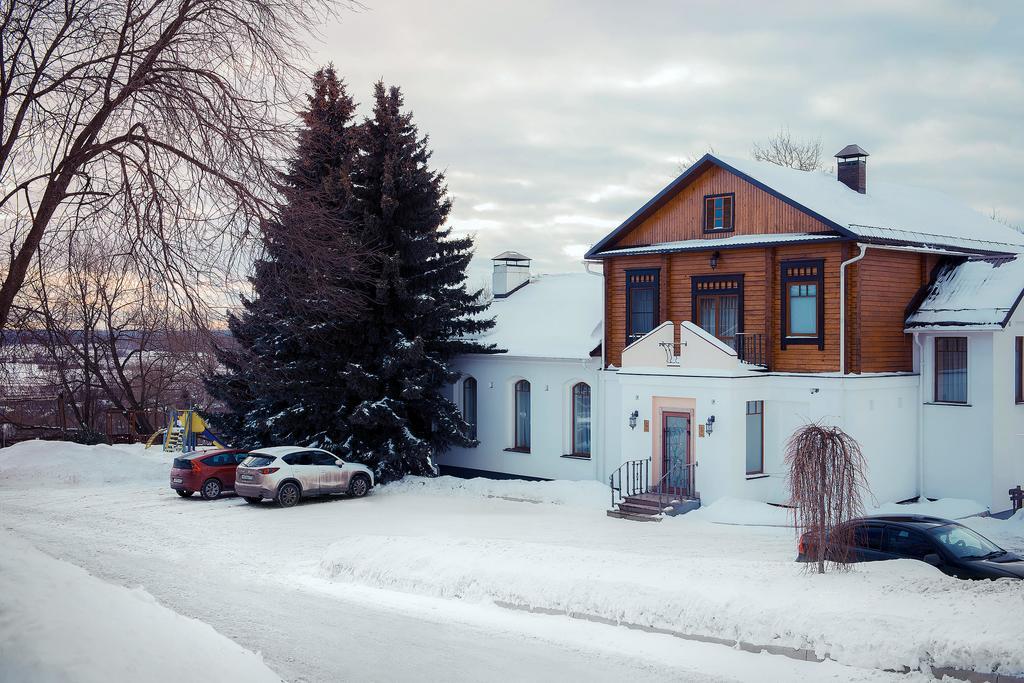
(359, 487)
(288, 495)
(183, 493)
(211, 489)
(253, 499)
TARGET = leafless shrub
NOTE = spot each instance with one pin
(827, 476)
(781, 149)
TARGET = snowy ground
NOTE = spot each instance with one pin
(407, 582)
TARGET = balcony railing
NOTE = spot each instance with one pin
(752, 348)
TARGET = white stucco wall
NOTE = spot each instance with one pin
(879, 411)
(976, 450)
(551, 382)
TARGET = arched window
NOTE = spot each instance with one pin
(522, 416)
(469, 404)
(581, 419)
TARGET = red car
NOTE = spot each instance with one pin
(208, 472)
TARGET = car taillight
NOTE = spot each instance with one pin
(269, 470)
(801, 547)
(195, 465)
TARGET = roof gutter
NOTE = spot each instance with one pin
(842, 305)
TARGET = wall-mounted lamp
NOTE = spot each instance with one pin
(632, 419)
(714, 259)
(709, 425)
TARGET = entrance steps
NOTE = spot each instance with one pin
(647, 507)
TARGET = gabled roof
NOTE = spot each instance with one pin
(886, 213)
(974, 293)
(557, 316)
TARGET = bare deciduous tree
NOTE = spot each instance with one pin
(156, 122)
(781, 149)
(688, 161)
(827, 477)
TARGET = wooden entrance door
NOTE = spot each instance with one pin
(675, 453)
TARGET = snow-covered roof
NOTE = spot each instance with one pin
(886, 212)
(977, 292)
(725, 243)
(554, 316)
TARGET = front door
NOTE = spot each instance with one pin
(675, 453)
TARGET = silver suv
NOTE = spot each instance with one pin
(287, 473)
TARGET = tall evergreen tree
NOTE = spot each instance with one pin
(275, 384)
(419, 312)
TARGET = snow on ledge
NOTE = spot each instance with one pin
(59, 623)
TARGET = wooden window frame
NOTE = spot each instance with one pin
(654, 284)
(466, 383)
(574, 451)
(787, 278)
(758, 404)
(708, 199)
(515, 415)
(716, 285)
(1019, 346)
(935, 370)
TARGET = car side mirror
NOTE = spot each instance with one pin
(340, 464)
(933, 559)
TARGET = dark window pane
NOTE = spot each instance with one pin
(581, 419)
(469, 405)
(951, 369)
(522, 415)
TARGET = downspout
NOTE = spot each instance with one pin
(920, 415)
(842, 305)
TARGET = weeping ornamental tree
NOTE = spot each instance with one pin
(827, 477)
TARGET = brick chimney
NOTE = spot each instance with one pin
(853, 168)
(511, 272)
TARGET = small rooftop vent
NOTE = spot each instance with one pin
(511, 272)
(853, 167)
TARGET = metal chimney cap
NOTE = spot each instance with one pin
(510, 256)
(851, 151)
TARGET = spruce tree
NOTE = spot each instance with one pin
(419, 313)
(275, 383)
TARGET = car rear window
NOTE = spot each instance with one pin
(182, 464)
(258, 461)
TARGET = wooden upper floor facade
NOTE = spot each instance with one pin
(762, 272)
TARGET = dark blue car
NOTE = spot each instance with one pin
(951, 547)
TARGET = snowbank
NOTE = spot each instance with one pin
(56, 463)
(559, 492)
(59, 623)
(754, 513)
(744, 512)
(883, 615)
(947, 508)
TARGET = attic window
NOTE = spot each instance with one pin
(718, 212)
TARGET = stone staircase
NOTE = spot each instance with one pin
(647, 507)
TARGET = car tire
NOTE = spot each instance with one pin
(359, 486)
(184, 493)
(211, 489)
(288, 494)
(252, 500)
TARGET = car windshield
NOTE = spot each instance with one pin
(964, 543)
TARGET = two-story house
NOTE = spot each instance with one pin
(746, 299)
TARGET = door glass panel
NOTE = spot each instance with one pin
(708, 319)
(676, 445)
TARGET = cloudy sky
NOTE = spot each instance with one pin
(556, 120)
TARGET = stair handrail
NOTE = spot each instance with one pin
(637, 479)
(664, 497)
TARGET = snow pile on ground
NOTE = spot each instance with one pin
(883, 615)
(55, 463)
(946, 508)
(59, 623)
(558, 492)
(754, 513)
(744, 512)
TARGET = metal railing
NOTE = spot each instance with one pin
(666, 488)
(633, 476)
(752, 347)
